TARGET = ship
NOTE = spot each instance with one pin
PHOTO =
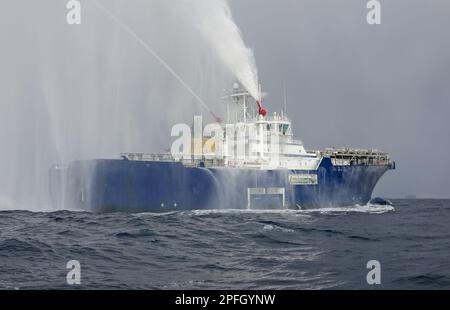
(251, 161)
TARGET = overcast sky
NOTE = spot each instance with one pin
(353, 84)
(72, 92)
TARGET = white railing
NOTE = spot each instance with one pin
(148, 156)
(357, 157)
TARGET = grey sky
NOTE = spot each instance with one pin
(351, 84)
(71, 92)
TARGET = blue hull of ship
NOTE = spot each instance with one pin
(136, 186)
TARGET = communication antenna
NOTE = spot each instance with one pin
(284, 97)
(259, 92)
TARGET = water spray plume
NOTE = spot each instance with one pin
(157, 56)
(215, 22)
(81, 92)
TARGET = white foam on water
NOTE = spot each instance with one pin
(237, 211)
(368, 208)
(156, 214)
(277, 229)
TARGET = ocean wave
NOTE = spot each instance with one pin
(135, 233)
(277, 229)
(229, 248)
(368, 208)
(13, 246)
(427, 279)
(155, 214)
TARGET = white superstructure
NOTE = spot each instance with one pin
(251, 139)
(255, 140)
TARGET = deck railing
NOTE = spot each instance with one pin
(340, 157)
(357, 156)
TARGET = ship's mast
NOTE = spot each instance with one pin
(284, 100)
(241, 107)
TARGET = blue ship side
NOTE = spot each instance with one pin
(108, 185)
